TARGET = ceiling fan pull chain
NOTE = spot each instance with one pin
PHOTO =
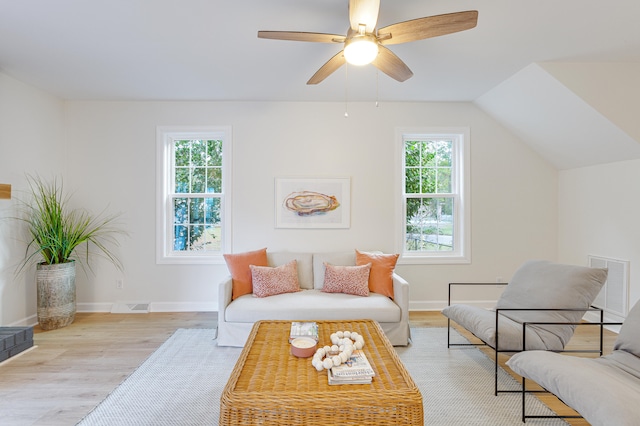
(346, 91)
(377, 88)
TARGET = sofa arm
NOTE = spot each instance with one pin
(401, 296)
(224, 297)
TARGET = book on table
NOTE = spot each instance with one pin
(356, 370)
(303, 329)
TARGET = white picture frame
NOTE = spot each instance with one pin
(313, 202)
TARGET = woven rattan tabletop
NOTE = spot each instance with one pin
(270, 386)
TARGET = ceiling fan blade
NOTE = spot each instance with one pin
(328, 68)
(364, 12)
(430, 26)
(391, 65)
(302, 36)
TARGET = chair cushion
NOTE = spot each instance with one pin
(629, 338)
(542, 284)
(482, 323)
(601, 389)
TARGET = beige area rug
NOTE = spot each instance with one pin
(181, 384)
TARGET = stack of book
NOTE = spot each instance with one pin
(356, 371)
(303, 329)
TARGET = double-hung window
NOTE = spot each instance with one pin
(435, 195)
(193, 200)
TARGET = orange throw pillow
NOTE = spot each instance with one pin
(381, 275)
(238, 265)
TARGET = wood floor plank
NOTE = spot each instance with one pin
(73, 369)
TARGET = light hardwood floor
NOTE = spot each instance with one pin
(73, 369)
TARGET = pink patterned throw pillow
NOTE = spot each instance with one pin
(346, 279)
(271, 281)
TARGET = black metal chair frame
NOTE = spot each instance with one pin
(524, 390)
(497, 311)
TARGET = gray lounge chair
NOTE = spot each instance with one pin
(540, 291)
(605, 391)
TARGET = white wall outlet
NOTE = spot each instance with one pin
(119, 284)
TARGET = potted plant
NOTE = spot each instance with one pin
(59, 236)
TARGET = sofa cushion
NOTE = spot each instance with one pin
(238, 265)
(334, 258)
(346, 279)
(312, 305)
(268, 281)
(382, 266)
(304, 261)
(629, 338)
(542, 284)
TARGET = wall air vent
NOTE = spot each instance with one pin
(130, 308)
(614, 296)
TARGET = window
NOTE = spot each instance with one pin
(435, 208)
(193, 195)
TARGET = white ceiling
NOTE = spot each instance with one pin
(209, 50)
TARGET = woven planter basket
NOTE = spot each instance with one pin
(56, 294)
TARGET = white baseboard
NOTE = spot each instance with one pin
(94, 307)
(183, 307)
(26, 322)
(153, 307)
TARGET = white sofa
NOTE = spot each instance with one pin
(236, 318)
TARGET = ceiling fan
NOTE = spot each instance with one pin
(364, 43)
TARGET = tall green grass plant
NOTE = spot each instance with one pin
(59, 233)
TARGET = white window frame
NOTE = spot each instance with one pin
(165, 136)
(461, 182)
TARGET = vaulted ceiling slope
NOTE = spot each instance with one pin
(572, 114)
(524, 62)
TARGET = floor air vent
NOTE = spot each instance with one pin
(614, 296)
(130, 308)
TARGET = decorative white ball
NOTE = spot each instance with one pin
(334, 338)
(344, 343)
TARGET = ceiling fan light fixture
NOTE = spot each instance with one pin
(361, 49)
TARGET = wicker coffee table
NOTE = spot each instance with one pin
(270, 386)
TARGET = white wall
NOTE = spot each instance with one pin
(31, 141)
(599, 207)
(112, 149)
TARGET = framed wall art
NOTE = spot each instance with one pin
(312, 202)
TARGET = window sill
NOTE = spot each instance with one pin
(415, 259)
